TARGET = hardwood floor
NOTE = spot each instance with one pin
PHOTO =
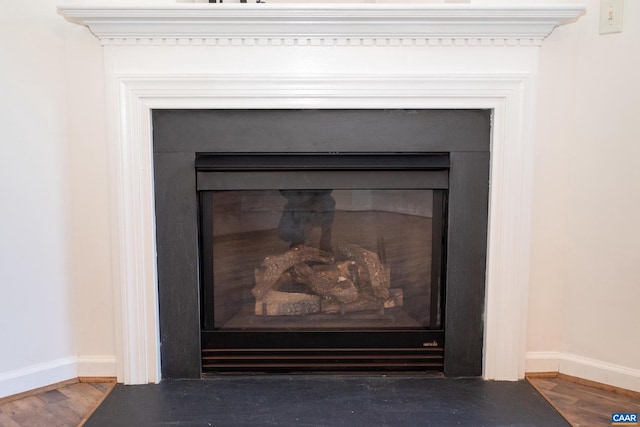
(580, 402)
(584, 403)
(68, 405)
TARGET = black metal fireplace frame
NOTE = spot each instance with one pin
(317, 350)
(178, 135)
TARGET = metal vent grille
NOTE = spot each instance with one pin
(323, 360)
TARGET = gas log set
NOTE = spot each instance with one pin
(306, 280)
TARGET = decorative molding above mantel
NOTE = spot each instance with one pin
(323, 24)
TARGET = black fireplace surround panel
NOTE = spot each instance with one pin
(454, 141)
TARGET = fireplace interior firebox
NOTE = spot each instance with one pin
(321, 240)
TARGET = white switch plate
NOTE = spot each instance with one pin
(611, 16)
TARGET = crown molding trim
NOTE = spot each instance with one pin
(323, 24)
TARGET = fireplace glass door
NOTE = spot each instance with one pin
(322, 262)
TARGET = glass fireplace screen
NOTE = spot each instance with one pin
(327, 248)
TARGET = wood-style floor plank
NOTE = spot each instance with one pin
(51, 396)
(585, 405)
(31, 411)
(66, 406)
(83, 393)
(7, 421)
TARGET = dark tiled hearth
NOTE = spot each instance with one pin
(327, 401)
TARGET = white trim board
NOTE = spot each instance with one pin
(134, 97)
(585, 368)
(324, 24)
(55, 371)
(97, 366)
(39, 375)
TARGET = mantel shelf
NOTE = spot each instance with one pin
(324, 24)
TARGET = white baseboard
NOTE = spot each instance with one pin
(601, 372)
(44, 374)
(542, 361)
(97, 366)
(585, 368)
(36, 376)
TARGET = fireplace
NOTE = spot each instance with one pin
(302, 56)
(321, 240)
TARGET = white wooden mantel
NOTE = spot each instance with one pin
(320, 56)
(324, 23)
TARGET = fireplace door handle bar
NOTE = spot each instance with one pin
(326, 161)
(313, 180)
